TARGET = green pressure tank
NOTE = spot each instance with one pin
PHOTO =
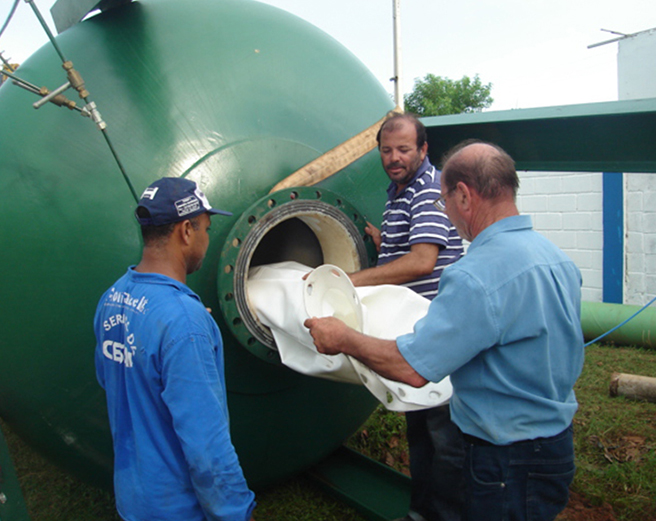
(236, 95)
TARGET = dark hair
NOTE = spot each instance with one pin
(491, 173)
(391, 124)
(158, 235)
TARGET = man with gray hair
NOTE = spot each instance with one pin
(506, 327)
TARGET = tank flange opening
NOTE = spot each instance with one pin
(306, 225)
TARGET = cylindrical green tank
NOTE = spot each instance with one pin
(236, 95)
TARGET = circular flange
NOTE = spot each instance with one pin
(307, 224)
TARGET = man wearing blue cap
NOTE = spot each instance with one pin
(159, 357)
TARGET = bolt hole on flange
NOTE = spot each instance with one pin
(306, 225)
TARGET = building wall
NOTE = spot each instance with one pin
(640, 242)
(636, 79)
(567, 209)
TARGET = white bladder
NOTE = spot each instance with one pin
(282, 301)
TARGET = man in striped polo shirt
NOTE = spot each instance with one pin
(416, 242)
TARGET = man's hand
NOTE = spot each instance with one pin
(332, 336)
(374, 232)
(329, 334)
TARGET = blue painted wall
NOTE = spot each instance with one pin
(613, 226)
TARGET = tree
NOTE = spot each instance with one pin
(438, 96)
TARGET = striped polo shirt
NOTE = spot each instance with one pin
(411, 218)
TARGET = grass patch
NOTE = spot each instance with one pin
(50, 493)
(383, 439)
(615, 440)
(53, 495)
(299, 499)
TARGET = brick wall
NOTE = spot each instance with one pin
(567, 209)
(640, 241)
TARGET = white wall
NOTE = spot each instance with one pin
(567, 209)
(640, 239)
(636, 74)
(636, 77)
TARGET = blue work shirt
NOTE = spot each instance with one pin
(506, 327)
(159, 357)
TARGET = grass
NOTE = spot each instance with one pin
(615, 438)
(615, 442)
(52, 495)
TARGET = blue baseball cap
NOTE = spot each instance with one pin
(172, 199)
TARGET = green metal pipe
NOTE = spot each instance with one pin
(599, 317)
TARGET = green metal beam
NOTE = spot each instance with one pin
(377, 491)
(596, 137)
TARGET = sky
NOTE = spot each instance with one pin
(534, 52)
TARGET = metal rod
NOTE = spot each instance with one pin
(7, 64)
(605, 42)
(46, 28)
(120, 166)
(614, 32)
(27, 86)
(11, 14)
(398, 94)
(94, 114)
(623, 37)
(20, 81)
(35, 90)
(50, 95)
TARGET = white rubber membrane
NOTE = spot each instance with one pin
(282, 301)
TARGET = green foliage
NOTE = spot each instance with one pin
(299, 499)
(383, 439)
(438, 96)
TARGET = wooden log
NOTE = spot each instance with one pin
(633, 386)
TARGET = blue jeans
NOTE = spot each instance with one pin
(524, 481)
(437, 455)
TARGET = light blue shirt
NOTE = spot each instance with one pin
(506, 327)
(159, 357)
